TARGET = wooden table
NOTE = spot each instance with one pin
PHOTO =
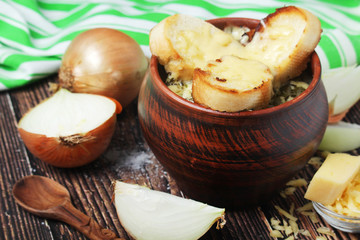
(128, 158)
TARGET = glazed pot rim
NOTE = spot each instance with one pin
(156, 79)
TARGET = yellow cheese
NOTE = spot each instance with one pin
(269, 46)
(237, 73)
(207, 43)
(332, 178)
(349, 202)
(197, 46)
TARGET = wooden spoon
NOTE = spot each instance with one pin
(44, 197)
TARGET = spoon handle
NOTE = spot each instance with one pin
(85, 224)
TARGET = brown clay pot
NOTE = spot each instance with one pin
(231, 159)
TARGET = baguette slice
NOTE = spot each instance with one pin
(284, 41)
(232, 84)
(183, 43)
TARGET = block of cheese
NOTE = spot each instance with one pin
(332, 178)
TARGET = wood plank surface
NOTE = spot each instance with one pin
(128, 158)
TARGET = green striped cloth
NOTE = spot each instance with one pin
(34, 34)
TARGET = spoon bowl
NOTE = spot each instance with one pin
(39, 200)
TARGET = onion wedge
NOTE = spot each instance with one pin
(341, 137)
(342, 88)
(148, 214)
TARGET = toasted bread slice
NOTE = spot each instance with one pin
(183, 43)
(284, 41)
(233, 84)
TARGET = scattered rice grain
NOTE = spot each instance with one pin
(306, 213)
(294, 227)
(320, 238)
(283, 195)
(305, 232)
(288, 230)
(313, 217)
(325, 230)
(276, 234)
(274, 221)
(285, 213)
(315, 162)
(306, 207)
(279, 227)
(297, 182)
(292, 208)
(289, 190)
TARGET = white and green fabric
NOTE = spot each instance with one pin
(34, 34)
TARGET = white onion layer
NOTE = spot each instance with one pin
(342, 87)
(148, 214)
(341, 137)
(66, 113)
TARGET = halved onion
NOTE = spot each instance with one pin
(341, 137)
(342, 88)
(148, 214)
(69, 129)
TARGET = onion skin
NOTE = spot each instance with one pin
(60, 153)
(338, 117)
(106, 62)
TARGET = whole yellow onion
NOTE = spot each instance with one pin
(106, 62)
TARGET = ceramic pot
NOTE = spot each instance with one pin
(231, 159)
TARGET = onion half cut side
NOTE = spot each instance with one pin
(69, 129)
(149, 214)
